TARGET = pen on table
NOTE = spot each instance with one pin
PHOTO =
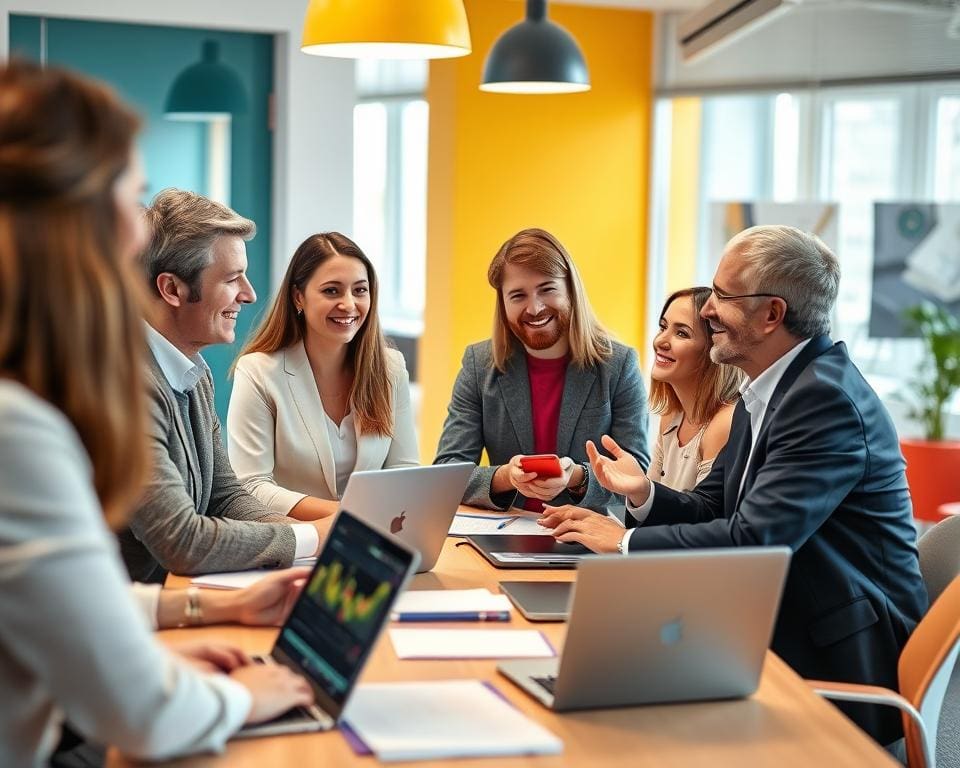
(507, 522)
(456, 616)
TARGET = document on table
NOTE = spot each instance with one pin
(443, 719)
(470, 644)
(453, 601)
(242, 579)
(471, 525)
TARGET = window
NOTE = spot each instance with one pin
(851, 146)
(390, 185)
(859, 164)
(947, 143)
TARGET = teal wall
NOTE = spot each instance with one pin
(141, 62)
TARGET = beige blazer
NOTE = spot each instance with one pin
(277, 436)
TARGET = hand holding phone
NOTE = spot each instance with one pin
(544, 464)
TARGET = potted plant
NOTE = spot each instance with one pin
(933, 463)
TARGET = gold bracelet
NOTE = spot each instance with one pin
(192, 612)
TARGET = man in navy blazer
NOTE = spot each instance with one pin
(813, 463)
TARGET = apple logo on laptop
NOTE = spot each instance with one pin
(396, 525)
(672, 632)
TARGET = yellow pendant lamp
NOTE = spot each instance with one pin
(386, 29)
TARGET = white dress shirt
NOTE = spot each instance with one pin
(182, 374)
(756, 396)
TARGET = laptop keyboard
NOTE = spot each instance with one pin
(297, 714)
(294, 715)
(547, 682)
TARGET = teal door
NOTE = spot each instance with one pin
(141, 62)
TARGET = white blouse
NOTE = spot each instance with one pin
(676, 466)
(280, 439)
(343, 441)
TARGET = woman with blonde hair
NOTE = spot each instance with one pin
(693, 395)
(73, 453)
(318, 393)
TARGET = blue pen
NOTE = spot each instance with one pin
(458, 616)
(507, 522)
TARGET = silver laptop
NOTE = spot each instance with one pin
(336, 621)
(684, 626)
(414, 504)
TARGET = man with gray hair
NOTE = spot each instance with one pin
(812, 463)
(194, 516)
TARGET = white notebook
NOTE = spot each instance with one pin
(470, 644)
(472, 525)
(242, 579)
(442, 601)
(443, 719)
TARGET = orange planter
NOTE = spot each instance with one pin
(933, 473)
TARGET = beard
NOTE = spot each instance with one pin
(542, 338)
(733, 346)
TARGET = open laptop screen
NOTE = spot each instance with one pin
(338, 617)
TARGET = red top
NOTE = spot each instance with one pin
(546, 394)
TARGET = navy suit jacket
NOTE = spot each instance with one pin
(826, 479)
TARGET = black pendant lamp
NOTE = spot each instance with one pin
(535, 56)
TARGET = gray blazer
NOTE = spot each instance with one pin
(491, 410)
(195, 516)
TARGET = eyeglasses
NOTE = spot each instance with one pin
(721, 296)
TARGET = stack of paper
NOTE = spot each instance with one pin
(451, 605)
(232, 580)
(241, 579)
(442, 719)
(471, 644)
(468, 524)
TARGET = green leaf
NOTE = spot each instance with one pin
(940, 333)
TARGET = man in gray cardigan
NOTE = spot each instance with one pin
(195, 516)
(548, 380)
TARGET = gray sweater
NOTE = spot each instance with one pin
(72, 641)
(195, 517)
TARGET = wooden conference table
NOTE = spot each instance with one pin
(783, 724)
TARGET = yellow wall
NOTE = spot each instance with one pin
(575, 164)
(682, 207)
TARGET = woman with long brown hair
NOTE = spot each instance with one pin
(73, 453)
(693, 395)
(318, 393)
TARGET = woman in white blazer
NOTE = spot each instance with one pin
(317, 393)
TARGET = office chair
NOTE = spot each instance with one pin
(940, 555)
(924, 671)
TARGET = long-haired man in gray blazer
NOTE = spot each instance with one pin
(195, 517)
(548, 380)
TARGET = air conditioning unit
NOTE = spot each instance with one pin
(722, 21)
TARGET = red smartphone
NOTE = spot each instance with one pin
(544, 464)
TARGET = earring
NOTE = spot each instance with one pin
(299, 311)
